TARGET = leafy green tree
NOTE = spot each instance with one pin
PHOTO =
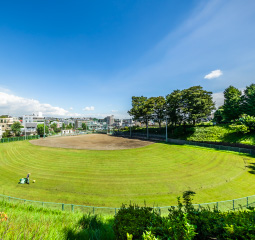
(159, 109)
(54, 127)
(6, 134)
(84, 126)
(219, 115)
(197, 103)
(63, 126)
(40, 129)
(70, 126)
(248, 100)
(142, 109)
(16, 128)
(173, 106)
(232, 103)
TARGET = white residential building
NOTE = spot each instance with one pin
(30, 122)
(67, 132)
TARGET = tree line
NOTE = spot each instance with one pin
(192, 105)
(189, 105)
(236, 104)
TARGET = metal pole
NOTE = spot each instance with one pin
(147, 129)
(166, 129)
(130, 126)
(44, 129)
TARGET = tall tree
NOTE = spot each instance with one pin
(248, 100)
(232, 103)
(159, 110)
(54, 127)
(84, 126)
(219, 115)
(142, 109)
(197, 103)
(173, 106)
(40, 129)
(16, 128)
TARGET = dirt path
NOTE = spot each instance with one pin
(91, 142)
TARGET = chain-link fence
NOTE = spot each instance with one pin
(13, 139)
(235, 204)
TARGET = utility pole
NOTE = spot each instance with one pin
(44, 129)
(130, 126)
(147, 128)
(25, 128)
(166, 128)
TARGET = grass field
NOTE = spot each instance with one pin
(26, 222)
(157, 174)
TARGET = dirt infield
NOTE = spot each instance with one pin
(91, 142)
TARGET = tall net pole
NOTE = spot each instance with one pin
(130, 126)
(44, 129)
(166, 129)
(147, 128)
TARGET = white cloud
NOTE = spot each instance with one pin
(89, 108)
(2, 89)
(218, 98)
(114, 111)
(71, 108)
(213, 74)
(18, 106)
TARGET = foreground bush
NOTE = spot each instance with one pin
(135, 220)
(183, 222)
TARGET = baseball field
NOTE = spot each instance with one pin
(101, 170)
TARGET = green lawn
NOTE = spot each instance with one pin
(156, 174)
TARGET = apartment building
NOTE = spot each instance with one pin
(30, 122)
(6, 122)
(109, 120)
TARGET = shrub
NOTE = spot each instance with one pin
(135, 220)
(147, 235)
(240, 128)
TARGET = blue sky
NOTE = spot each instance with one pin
(88, 58)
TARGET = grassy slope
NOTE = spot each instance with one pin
(25, 222)
(221, 134)
(156, 174)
